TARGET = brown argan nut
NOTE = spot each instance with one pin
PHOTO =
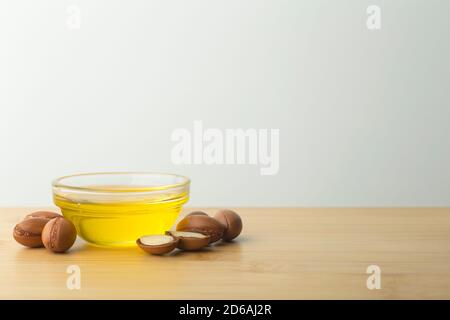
(197, 213)
(232, 223)
(157, 244)
(29, 231)
(43, 214)
(58, 235)
(190, 241)
(202, 224)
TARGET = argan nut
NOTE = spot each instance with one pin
(232, 222)
(58, 235)
(197, 213)
(190, 241)
(202, 224)
(43, 214)
(29, 231)
(157, 244)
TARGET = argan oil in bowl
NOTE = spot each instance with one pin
(115, 209)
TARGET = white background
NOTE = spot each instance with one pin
(363, 115)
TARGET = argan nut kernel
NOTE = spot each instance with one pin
(190, 241)
(232, 222)
(59, 235)
(197, 213)
(204, 225)
(29, 231)
(43, 214)
(157, 244)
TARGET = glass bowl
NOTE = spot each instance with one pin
(115, 209)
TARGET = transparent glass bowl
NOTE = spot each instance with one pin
(115, 209)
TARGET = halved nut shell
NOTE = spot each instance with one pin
(197, 213)
(157, 244)
(202, 224)
(190, 241)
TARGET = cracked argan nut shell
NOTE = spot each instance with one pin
(197, 213)
(29, 231)
(58, 235)
(232, 222)
(157, 244)
(202, 224)
(190, 241)
(43, 214)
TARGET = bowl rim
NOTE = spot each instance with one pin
(57, 183)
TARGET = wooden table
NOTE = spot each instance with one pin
(282, 254)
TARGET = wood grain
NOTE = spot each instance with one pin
(289, 253)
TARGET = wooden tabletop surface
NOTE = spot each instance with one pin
(292, 253)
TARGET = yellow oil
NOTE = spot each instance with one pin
(121, 223)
